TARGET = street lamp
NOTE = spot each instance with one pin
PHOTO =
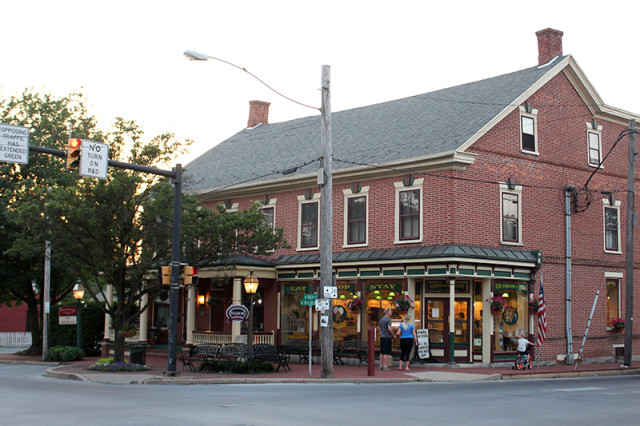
(78, 294)
(250, 286)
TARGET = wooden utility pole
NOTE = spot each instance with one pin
(326, 225)
(631, 222)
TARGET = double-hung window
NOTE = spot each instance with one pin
(528, 130)
(409, 211)
(308, 215)
(356, 216)
(594, 143)
(611, 226)
(510, 214)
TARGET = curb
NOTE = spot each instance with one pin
(107, 378)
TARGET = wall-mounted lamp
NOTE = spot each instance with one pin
(201, 299)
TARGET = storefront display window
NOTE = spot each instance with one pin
(477, 316)
(295, 318)
(379, 296)
(345, 320)
(513, 318)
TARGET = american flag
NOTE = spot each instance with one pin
(542, 317)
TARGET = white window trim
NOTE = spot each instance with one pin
(348, 193)
(302, 200)
(270, 205)
(504, 188)
(417, 184)
(597, 131)
(605, 205)
(534, 115)
(232, 209)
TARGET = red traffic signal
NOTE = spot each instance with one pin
(73, 153)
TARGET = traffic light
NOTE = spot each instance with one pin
(165, 272)
(73, 153)
(188, 275)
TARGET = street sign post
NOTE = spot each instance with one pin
(14, 144)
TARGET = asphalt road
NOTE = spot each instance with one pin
(29, 398)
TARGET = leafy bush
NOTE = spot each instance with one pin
(238, 367)
(116, 366)
(64, 353)
(92, 329)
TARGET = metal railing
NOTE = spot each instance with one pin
(208, 337)
(15, 340)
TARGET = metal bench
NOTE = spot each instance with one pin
(267, 353)
(199, 353)
(354, 349)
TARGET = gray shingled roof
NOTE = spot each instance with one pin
(426, 124)
(423, 252)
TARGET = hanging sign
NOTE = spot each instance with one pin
(237, 313)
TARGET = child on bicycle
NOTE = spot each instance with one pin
(523, 344)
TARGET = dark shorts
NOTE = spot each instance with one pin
(385, 345)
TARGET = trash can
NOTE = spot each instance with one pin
(138, 353)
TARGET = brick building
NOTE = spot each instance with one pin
(450, 198)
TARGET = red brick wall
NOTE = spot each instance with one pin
(468, 211)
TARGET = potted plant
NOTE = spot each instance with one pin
(403, 303)
(497, 304)
(617, 324)
(128, 330)
(534, 305)
(355, 305)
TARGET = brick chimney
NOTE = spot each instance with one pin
(549, 45)
(258, 113)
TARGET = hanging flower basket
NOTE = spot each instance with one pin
(403, 303)
(534, 305)
(355, 305)
(497, 304)
(127, 333)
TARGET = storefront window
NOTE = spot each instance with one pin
(295, 318)
(477, 316)
(514, 318)
(613, 309)
(379, 296)
(345, 321)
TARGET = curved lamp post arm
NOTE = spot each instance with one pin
(192, 55)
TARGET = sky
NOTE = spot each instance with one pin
(127, 56)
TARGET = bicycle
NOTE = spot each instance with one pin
(523, 361)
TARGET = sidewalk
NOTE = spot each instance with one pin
(300, 372)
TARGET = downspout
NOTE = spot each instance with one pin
(568, 190)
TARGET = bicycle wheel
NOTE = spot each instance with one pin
(518, 364)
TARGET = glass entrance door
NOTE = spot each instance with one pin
(437, 321)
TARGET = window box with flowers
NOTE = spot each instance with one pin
(403, 303)
(355, 305)
(497, 304)
(617, 324)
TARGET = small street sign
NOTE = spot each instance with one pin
(322, 305)
(67, 315)
(331, 292)
(14, 144)
(94, 158)
(311, 296)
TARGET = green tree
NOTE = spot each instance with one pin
(106, 232)
(24, 192)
